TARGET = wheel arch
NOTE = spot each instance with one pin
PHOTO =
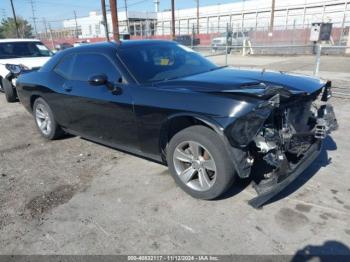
(32, 99)
(175, 123)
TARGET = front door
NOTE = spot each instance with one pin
(94, 110)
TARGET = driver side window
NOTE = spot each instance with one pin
(88, 65)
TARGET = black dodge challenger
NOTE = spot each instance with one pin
(164, 102)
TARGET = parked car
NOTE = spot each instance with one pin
(63, 46)
(80, 43)
(162, 101)
(229, 39)
(16, 56)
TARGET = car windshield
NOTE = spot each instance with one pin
(23, 49)
(160, 62)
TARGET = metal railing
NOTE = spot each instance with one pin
(305, 59)
(274, 50)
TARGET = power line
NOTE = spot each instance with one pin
(63, 4)
(3, 13)
(32, 4)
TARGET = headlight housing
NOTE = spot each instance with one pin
(243, 130)
(15, 69)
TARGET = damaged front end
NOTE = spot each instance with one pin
(281, 138)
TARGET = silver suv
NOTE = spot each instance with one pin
(230, 39)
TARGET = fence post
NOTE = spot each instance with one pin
(244, 47)
(226, 49)
(192, 36)
(318, 59)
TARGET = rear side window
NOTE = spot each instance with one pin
(64, 67)
(88, 65)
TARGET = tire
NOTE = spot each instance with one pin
(1, 88)
(43, 114)
(211, 149)
(10, 91)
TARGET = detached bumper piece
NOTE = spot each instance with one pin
(282, 177)
(326, 122)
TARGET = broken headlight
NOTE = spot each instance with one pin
(245, 128)
(15, 69)
(327, 92)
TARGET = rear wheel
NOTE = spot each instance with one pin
(199, 162)
(10, 91)
(45, 120)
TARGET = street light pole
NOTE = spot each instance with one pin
(14, 18)
(173, 19)
(114, 13)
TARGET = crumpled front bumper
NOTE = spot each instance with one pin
(274, 185)
(288, 172)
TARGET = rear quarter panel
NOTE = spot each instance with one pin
(47, 85)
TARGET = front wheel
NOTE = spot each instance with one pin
(10, 91)
(1, 88)
(45, 120)
(199, 163)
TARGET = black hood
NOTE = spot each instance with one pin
(249, 82)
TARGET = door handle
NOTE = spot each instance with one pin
(114, 89)
(67, 88)
(117, 90)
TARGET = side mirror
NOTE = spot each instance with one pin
(98, 80)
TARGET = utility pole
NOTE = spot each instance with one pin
(104, 15)
(33, 17)
(173, 19)
(45, 27)
(14, 18)
(52, 42)
(197, 16)
(272, 18)
(3, 13)
(126, 15)
(114, 13)
(76, 24)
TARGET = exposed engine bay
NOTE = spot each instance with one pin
(293, 131)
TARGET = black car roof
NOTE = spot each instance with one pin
(103, 47)
(100, 46)
(112, 44)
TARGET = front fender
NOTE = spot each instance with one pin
(237, 155)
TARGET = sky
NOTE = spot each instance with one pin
(54, 11)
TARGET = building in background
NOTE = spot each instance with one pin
(245, 15)
(140, 23)
(292, 22)
(255, 15)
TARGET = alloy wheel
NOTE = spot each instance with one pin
(195, 165)
(43, 119)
